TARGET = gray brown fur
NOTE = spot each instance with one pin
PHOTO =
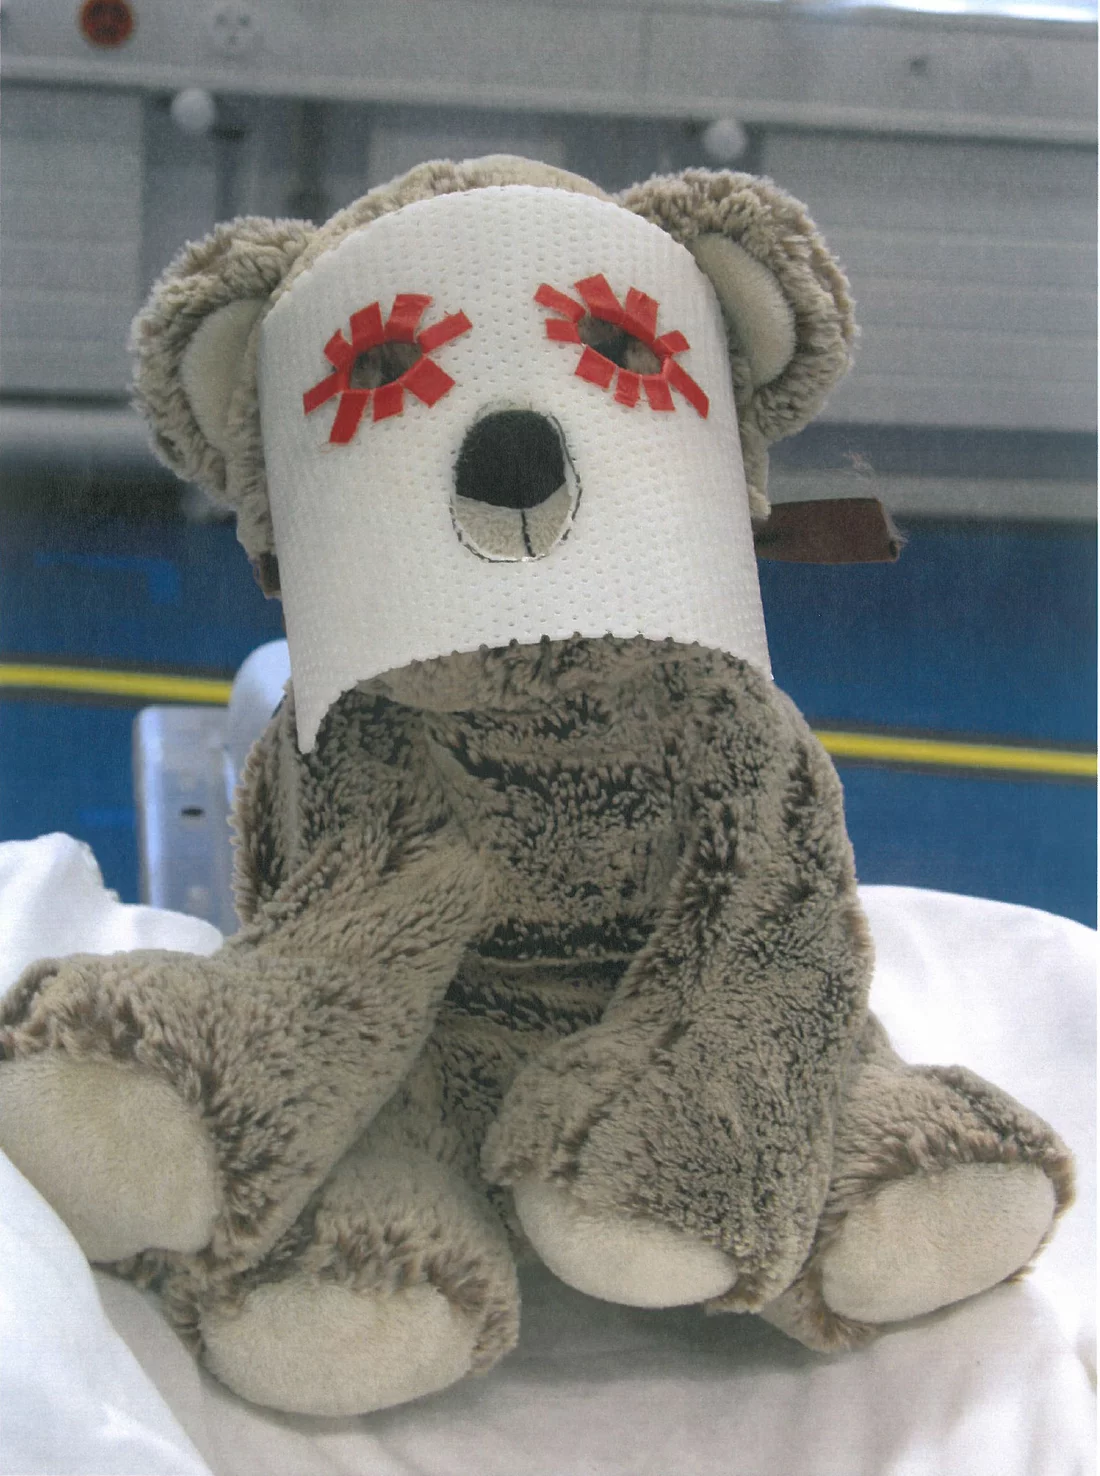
(584, 910)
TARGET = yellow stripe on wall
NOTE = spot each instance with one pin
(883, 748)
(956, 754)
(146, 684)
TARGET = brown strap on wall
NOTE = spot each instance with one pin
(841, 530)
(265, 571)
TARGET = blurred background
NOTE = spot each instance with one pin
(949, 156)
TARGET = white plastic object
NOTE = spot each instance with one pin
(193, 110)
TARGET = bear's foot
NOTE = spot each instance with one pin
(943, 1187)
(165, 1101)
(681, 1166)
(396, 1281)
(116, 1151)
(636, 1262)
(323, 1348)
(932, 1239)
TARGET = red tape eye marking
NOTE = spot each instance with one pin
(443, 331)
(628, 388)
(367, 331)
(640, 316)
(601, 301)
(408, 309)
(680, 380)
(424, 379)
(389, 399)
(562, 332)
(350, 412)
(550, 297)
(657, 392)
(595, 368)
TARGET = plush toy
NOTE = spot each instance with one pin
(550, 934)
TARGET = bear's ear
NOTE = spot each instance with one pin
(194, 363)
(785, 300)
(211, 363)
(752, 303)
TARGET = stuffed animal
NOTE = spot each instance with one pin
(550, 934)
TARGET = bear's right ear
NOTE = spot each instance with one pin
(194, 366)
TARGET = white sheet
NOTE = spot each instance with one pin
(999, 1386)
(73, 1398)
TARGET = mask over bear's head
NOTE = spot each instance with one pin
(489, 404)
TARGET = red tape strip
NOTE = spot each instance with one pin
(352, 404)
(338, 351)
(640, 316)
(443, 331)
(679, 379)
(426, 380)
(408, 309)
(602, 302)
(595, 368)
(628, 388)
(657, 392)
(562, 332)
(550, 297)
(366, 328)
(389, 399)
(671, 343)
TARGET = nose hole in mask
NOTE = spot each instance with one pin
(515, 491)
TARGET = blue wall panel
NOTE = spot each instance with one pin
(67, 767)
(148, 594)
(1026, 841)
(976, 629)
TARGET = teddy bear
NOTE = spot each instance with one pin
(550, 940)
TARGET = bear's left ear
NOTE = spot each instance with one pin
(194, 376)
(785, 300)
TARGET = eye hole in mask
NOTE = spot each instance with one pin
(382, 361)
(615, 343)
(383, 364)
(620, 345)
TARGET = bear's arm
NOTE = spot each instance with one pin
(360, 808)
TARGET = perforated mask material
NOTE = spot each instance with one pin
(381, 562)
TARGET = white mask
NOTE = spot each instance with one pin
(387, 554)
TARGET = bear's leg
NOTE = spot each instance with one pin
(942, 1187)
(166, 1101)
(396, 1281)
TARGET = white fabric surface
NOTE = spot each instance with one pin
(999, 1386)
(373, 575)
(73, 1400)
(53, 902)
